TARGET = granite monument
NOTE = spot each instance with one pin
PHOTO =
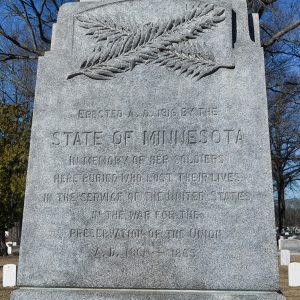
(149, 157)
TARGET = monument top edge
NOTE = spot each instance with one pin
(230, 1)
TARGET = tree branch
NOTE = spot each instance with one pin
(40, 21)
(283, 52)
(55, 4)
(282, 32)
(11, 56)
(18, 84)
(29, 25)
(17, 43)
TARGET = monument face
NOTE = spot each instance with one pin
(149, 163)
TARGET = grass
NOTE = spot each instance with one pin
(289, 292)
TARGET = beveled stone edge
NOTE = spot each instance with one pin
(123, 294)
(144, 290)
(149, 291)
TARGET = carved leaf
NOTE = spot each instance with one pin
(187, 58)
(130, 45)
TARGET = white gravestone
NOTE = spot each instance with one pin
(292, 245)
(285, 257)
(9, 249)
(9, 275)
(294, 274)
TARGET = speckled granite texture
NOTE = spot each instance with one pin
(149, 163)
(49, 294)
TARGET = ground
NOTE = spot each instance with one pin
(290, 293)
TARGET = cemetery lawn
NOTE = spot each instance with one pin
(289, 293)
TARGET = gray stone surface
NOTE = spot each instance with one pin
(143, 177)
(65, 294)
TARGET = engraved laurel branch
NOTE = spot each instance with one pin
(167, 44)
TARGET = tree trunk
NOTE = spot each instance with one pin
(3, 248)
(281, 205)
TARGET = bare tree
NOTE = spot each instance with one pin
(280, 29)
(25, 34)
(26, 25)
(285, 143)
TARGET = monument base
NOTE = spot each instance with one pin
(109, 294)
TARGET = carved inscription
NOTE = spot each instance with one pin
(116, 187)
(148, 137)
(140, 233)
(147, 178)
(173, 112)
(142, 252)
(233, 197)
(127, 160)
(147, 215)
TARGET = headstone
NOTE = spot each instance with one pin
(149, 143)
(285, 257)
(9, 275)
(9, 249)
(294, 274)
(289, 244)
